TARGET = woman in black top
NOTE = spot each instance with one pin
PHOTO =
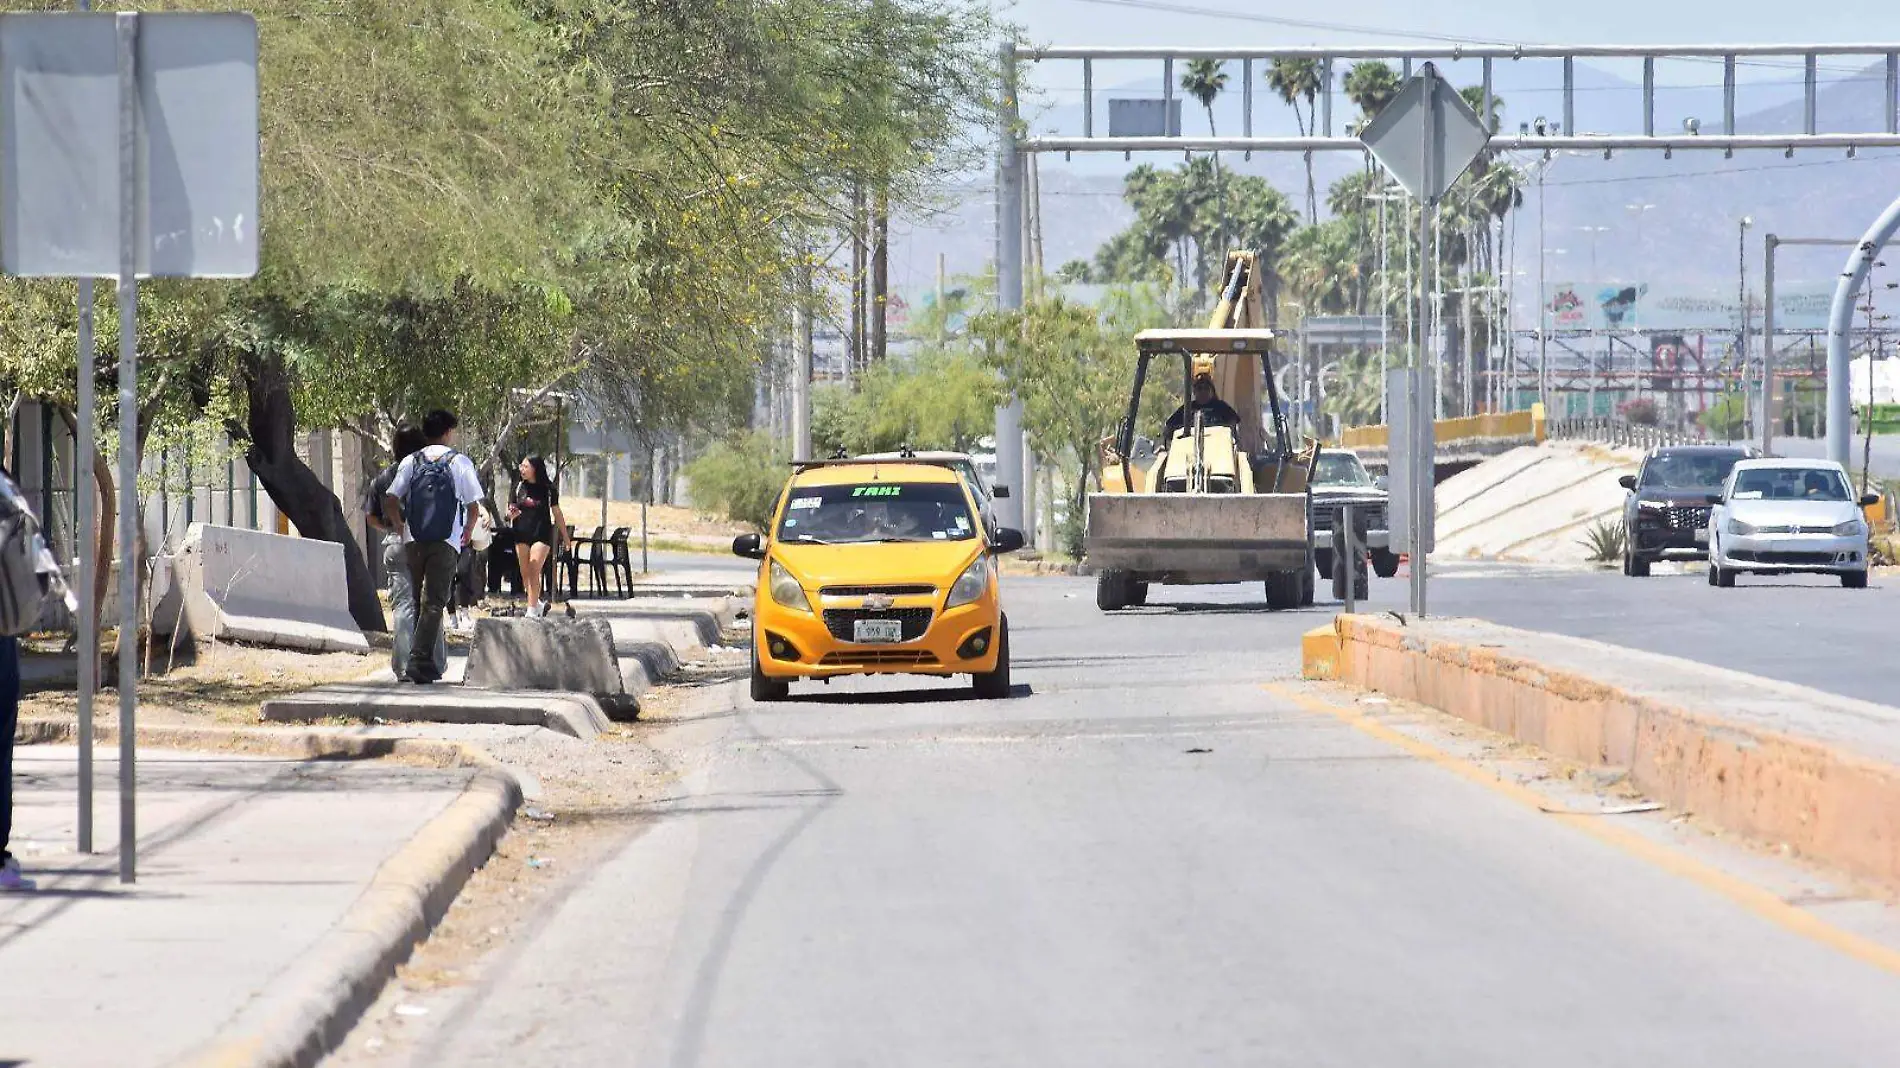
(535, 514)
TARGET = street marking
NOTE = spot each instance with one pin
(1763, 903)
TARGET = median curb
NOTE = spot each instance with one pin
(307, 1010)
(1786, 765)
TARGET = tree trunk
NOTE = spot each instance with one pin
(880, 276)
(855, 355)
(294, 488)
(106, 525)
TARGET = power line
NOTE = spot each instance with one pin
(1415, 35)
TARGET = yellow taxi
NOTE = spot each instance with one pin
(877, 567)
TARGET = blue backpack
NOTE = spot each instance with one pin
(430, 503)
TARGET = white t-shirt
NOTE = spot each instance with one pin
(468, 486)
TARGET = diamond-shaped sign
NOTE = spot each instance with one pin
(1427, 135)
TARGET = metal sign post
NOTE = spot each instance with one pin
(128, 150)
(1426, 137)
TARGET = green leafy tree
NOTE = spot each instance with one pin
(1371, 85)
(740, 477)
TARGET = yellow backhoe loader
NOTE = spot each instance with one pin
(1214, 499)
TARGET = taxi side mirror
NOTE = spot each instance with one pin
(750, 546)
(1007, 540)
(1628, 482)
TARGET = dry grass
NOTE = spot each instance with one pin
(227, 684)
(665, 522)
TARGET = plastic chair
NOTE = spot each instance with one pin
(621, 562)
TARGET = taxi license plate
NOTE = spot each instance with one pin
(877, 630)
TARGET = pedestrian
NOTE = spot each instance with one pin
(10, 876)
(402, 592)
(433, 499)
(540, 529)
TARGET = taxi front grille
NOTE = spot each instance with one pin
(880, 658)
(918, 590)
(915, 621)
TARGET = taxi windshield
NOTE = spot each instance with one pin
(876, 512)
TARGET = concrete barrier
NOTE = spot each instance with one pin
(246, 585)
(563, 655)
(1784, 764)
(580, 715)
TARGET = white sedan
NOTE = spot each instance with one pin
(1777, 517)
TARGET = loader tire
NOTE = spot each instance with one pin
(1283, 589)
(1111, 590)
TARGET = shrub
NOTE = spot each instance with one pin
(1642, 411)
(1605, 541)
(740, 477)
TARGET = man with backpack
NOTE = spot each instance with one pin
(433, 500)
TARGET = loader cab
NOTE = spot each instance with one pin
(1204, 457)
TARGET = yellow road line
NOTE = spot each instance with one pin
(1758, 900)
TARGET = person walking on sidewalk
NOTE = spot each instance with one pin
(402, 593)
(10, 877)
(433, 499)
(539, 528)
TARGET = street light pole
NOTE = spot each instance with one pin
(1741, 349)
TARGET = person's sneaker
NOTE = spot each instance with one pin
(11, 878)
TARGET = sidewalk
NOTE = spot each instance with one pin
(245, 863)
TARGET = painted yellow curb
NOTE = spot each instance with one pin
(1319, 653)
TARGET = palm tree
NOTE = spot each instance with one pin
(1474, 95)
(1204, 81)
(1296, 80)
(1371, 86)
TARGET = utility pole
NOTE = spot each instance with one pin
(801, 357)
(880, 275)
(854, 348)
(1009, 273)
(1741, 348)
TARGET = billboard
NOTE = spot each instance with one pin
(1617, 305)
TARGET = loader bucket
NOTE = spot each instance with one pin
(1190, 537)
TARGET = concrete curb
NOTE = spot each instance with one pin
(1782, 764)
(309, 1009)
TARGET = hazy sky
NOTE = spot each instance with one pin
(1524, 21)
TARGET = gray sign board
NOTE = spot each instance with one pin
(1409, 457)
(1144, 118)
(59, 145)
(1398, 133)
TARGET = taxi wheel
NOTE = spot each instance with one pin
(767, 689)
(994, 685)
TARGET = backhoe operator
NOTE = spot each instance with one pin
(1215, 412)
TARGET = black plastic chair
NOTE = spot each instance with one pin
(595, 559)
(621, 562)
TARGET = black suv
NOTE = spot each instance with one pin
(1667, 511)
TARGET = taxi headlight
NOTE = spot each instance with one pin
(786, 591)
(1736, 526)
(970, 585)
(1850, 528)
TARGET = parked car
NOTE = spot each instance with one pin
(1341, 479)
(1778, 517)
(1667, 509)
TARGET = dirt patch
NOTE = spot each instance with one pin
(226, 684)
(669, 526)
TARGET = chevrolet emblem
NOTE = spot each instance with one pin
(879, 601)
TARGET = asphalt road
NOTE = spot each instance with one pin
(1146, 857)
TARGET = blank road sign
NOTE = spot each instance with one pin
(1397, 134)
(59, 132)
(59, 145)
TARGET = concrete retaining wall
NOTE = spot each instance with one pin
(246, 585)
(1783, 764)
